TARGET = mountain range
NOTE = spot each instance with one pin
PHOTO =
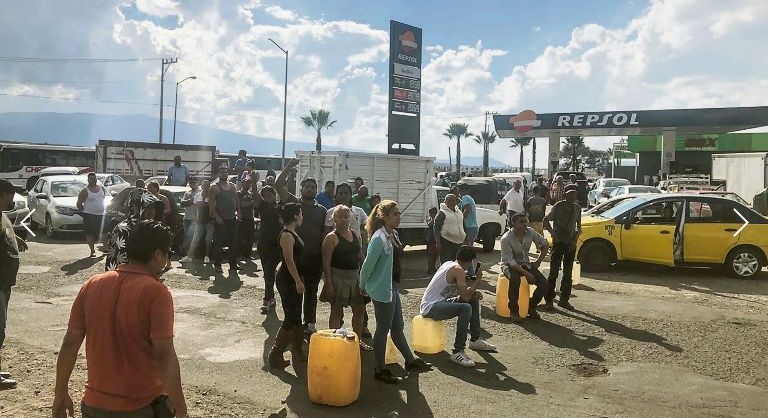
(86, 129)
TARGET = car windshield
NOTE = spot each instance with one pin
(615, 183)
(67, 188)
(623, 207)
(649, 189)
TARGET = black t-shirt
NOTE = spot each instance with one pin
(312, 227)
(269, 228)
(346, 254)
(246, 204)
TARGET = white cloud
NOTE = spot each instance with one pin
(159, 8)
(279, 13)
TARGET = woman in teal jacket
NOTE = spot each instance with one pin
(376, 281)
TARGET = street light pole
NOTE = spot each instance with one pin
(176, 105)
(164, 67)
(285, 101)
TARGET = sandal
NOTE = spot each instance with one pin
(365, 347)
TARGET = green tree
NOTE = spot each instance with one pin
(598, 160)
(485, 139)
(520, 143)
(573, 147)
(318, 120)
(458, 131)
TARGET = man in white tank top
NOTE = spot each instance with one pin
(448, 296)
(91, 202)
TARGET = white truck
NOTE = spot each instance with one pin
(402, 178)
(135, 160)
(745, 174)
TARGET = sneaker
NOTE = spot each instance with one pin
(417, 364)
(5, 375)
(533, 314)
(235, 267)
(6, 383)
(311, 328)
(461, 358)
(206, 260)
(481, 345)
(566, 305)
(186, 259)
(365, 347)
(515, 317)
(549, 306)
(386, 376)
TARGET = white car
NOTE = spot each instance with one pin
(18, 213)
(602, 188)
(114, 183)
(624, 190)
(53, 202)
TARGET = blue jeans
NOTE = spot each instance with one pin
(389, 320)
(472, 233)
(469, 318)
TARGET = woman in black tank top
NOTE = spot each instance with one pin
(290, 285)
(341, 264)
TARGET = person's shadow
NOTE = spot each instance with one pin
(489, 375)
(562, 337)
(616, 328)
(271, 325)
(224, 286)
(81, 264)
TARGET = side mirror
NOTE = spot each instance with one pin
(113, 193)
(42, 196)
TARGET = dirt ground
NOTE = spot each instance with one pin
(644, 341)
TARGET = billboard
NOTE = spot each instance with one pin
(404, 113)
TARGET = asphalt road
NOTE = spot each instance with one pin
(644, 341)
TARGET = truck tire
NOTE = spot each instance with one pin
(489, 240)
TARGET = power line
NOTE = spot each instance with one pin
(73, 82)
(73, 60)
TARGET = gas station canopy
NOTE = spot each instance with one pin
(667, 123)
(636, 122)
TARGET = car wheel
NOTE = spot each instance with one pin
(743, 263)
(489, 241)
(49, 231)
(596, 256)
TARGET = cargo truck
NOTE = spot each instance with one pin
(745, 174)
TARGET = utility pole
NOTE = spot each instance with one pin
(285, 101)
(164, 67)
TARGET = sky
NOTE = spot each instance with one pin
(502, 56)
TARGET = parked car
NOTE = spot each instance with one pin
(608, 204)
(676, 230)
(624, 190)
(17, 214)
(487, 191)
(602, 188)
(114, 183)
(232, 178)
(53, 202)
(159, 179)
(728, 195)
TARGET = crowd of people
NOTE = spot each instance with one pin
(341, 238)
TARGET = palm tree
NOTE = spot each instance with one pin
(572, 146)
(521, 143)
(458, 131)
(486, 139)
(317, 120)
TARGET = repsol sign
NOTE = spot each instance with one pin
(597, 119)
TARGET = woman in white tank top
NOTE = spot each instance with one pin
(91, 202)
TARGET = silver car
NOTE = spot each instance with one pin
(602, 188)
(114, 183)
(18, 213)
(53, 202)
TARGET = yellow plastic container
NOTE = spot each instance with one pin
(427, 335)
(391, 356)
(333, 370)
(576, 273)
(502, 297)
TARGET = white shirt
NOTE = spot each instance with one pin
(356, 222)
(515, 201)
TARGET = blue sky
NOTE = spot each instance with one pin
(502, 56)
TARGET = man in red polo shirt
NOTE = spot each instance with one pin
(127, 317)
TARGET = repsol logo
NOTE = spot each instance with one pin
(591, 119)
(408, 58)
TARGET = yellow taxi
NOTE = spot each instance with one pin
(676, 230)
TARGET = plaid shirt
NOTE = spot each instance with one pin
(557, 193)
